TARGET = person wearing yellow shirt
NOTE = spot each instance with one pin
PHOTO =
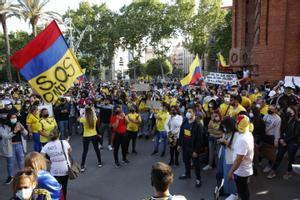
(132, 128)
(144, 113)
(32, 122)
(226, 108)
(262, 106)
(246, 102)
(162, 119)
(253, 97)
(89, 121)
(237, 107)
(18, 104)
(46, 125)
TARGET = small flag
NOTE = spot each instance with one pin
(221, 59)
(48, 64)
(194, 73)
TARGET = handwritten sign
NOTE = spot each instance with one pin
(291, 81)
(221, 79)
(141, 87)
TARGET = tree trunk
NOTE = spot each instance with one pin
(33, 29)
(162, 70)
(7, 47)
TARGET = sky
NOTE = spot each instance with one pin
(61, 6)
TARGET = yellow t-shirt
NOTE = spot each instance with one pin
(253, 97)
(87, 131)
(33, 122)
(46, 125)
(264, 110)
(133, 126)
(225, 109)
(18, 107)
(160, 124)
(235, 111)
(173, 102)
(246, 102)
(207, 110)
(1, 104)
(143, 106)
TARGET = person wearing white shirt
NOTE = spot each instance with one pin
(173, 134)
(58, 152)
(243, 152)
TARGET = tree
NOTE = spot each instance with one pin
(136, 69)
(198, 30)
(153, 67)
(7, 9)
(33, 10)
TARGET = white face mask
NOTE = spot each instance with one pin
(188, 115)
(24, 193)
(258, 106)
(13, 121)
(251, 115)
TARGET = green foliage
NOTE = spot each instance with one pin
(153, 67)
(135, 66)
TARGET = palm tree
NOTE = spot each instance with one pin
(33, 10)
(7, 10)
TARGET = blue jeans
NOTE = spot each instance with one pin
(37, 143)
(18, 154)
(63, 128)
(161, 136)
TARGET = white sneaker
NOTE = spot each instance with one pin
(110, 148)
(232, 197)
(207, 167)
(267, 169)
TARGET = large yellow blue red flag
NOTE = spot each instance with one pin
(194, 73)
(48, 64)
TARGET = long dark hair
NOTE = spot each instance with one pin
(89, 114)
(229, 124)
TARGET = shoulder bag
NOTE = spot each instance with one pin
(73, 167)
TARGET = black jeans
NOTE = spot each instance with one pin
(131, 135)
(63, 180)
(86, 142)
(291, 148)
(174, 152)
(187, 158)
(119, 140)
(242, 187)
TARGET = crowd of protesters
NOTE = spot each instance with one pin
(230, 128)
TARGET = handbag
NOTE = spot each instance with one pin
(73, 167)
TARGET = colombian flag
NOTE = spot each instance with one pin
(194, 73)
(221, 59)
(48, 64)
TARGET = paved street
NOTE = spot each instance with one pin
(132, 182)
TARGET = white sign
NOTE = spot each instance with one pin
(221, 79)
(291, 81)
(140, 87)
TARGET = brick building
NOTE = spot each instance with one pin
(266, 37)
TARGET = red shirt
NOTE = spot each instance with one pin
(121, 128)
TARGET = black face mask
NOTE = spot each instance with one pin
(132, 111)
(45, 115)
(270, 112)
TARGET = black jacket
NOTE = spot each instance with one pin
(199, 137)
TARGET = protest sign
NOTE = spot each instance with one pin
(221, 79)
(154, 104)
(291, 81)
(141, 87)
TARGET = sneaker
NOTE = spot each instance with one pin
(287, 176)
(82, 169)
(100, 165)
(9, 180)
(207, 167)
(100, 146)
(267, 169)
(232, 197)
(117, 165)
(184, 176)
(126, 161)
(198, 183)
(110, 148)
(271, 175)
